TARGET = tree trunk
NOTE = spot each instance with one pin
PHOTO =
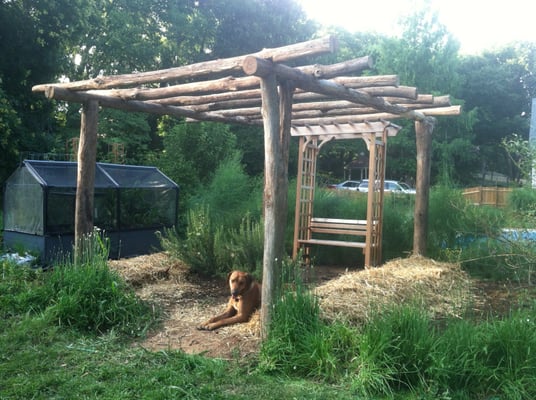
(83, 221)
(423, 130)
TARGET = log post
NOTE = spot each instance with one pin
(423, 130)
(276, 111)
(85, 182)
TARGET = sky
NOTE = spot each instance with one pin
(477, 24)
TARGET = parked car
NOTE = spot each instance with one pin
(389, 186)
(346, 185)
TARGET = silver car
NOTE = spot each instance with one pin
(346, 185)
(389, 186)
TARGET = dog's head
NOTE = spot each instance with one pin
(239, 283)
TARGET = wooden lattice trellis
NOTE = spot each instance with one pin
(306, 225)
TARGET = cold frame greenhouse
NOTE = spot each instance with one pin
(131, 204)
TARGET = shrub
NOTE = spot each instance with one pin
(230, 195)
(523, 203)
(241, 248)
(211, 250)
(197, 249)
(454, 222)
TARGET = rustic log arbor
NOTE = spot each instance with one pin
(259, 89)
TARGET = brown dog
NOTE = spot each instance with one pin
(245, 299)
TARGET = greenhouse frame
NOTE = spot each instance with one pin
(131, 204)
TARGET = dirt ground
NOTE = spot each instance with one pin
(186, 301)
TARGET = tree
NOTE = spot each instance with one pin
(193, 151)
(242, 27)
(34, 38)
(426, 56)
(497, 88)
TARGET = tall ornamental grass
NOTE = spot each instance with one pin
(85, 296)
(401, 349)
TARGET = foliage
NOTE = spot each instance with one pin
(85, 296)
(451, 219)
(494, 88)
(283, 22)
(522, 155)
(231, 193)
(197, 249)
(242, 248)
(522, 202)
(223, 231)
(400, 350)
(210, 249)
(475, 236)
(193, 152)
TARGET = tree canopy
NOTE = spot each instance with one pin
(52, 40)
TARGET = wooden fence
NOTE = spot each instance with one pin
(490, 196)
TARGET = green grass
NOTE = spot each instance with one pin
(71, 333)
(400, 353)
(41, 362)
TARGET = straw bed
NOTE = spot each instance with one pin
(442, 288)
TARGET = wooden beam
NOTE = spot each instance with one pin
(423, 130)
(260, 67)
(337, 111)
(227, 84)
(441, 111)
(320, 46)
(346, 129)
(345, 67)
(59, 93)
(228, 99)
(366, 81)
(85, 181)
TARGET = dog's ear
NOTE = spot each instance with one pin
(249, 279)
(229, 275)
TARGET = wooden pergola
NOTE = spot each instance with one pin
(316, 102)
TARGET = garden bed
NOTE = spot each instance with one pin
(186, 300)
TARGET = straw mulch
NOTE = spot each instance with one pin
(441, 288)
(187, 300)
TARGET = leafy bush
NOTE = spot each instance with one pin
(452, 217)
(523, 203)
(214, 250)
(222, 230)
(197, 249)
(230, 195)
(241, 248)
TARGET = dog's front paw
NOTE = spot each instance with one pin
(207, 326)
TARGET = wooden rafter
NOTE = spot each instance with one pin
(229, 90)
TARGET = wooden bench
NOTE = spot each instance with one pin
(333, 226)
